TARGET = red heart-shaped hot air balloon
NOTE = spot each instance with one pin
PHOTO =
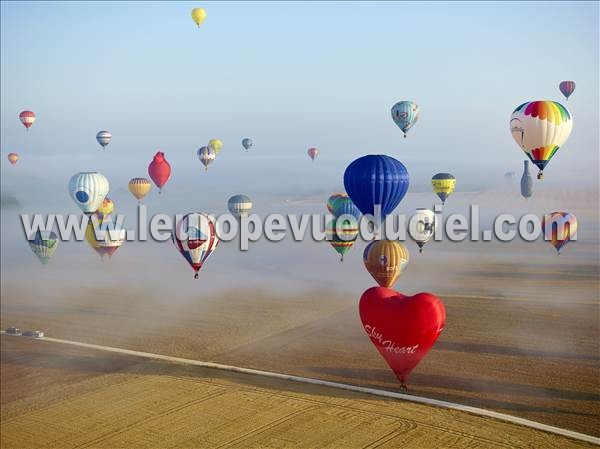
(159, 170)
(402, 328)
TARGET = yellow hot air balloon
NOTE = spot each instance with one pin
(443, 185)
(13, 158)
(386, 260)
(90, 236)
(139, 187)
(216, 145)
(198, 15)
(106, 208)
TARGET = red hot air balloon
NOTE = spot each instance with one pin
(27, 118)
(402, 328)
(313, 153)
(159, 170)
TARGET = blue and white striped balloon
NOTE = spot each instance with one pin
(239, 205)
(88, 190)
(103, 138)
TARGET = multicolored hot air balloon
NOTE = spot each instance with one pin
(343, 240)
(159, 170)
(405, 114)
(386, 260)
(106, 208)
(27, 118)
(567, 88)
(526, 181)
(206, 155)
(376, 181)
(103, 138)
(88, 190)
(559, 229)
(43, 244)
(195, 236)
(345, 206)
(139, 187)
(540, 128)
(313, 153)
(443, 185)
(104, 241)
(216, 145)
(332, 198)
(13, 158)
(198, 16)
(239, 205)
(425, 224)
(247, 143)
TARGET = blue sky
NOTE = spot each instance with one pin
(290, 76)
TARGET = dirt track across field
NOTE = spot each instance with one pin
(60, 396)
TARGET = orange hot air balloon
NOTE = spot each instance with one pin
(13, 158)
(139, 187)
(559, 228)
(385, 260)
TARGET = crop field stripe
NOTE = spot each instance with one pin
(325, 383)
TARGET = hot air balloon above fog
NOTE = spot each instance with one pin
(247, 143)
(313, 153)
(425, 224)
(195, 237)
(443, 185)
(540, 128)
(343, 240)
(27, 118)
(376, 181)
(345, 206)
(43, 244)
(105, 241)
(198, 16)
(567, 88)
(332, 198)
(385, 260)
(559, 228)
(13, 158)
(239, 205)
(88, 190)
(139, 187)
(526, 181)
(103, 138)
(159, 170)
(405, 114)
(106, 208)
(207, 156)
(216, 145)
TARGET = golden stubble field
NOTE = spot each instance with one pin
(66, 397)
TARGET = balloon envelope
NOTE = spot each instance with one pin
(216, 145)
(424, 229)
(332, 198)
(376, 180)
(540, 128)
(198, 16)
(207, 156)
(88, 190)
(43, 244)
(443, 185)
(247, 143)
(342, 239)
(567, 88)
(27, 118)
(345, 206)
(313, 153)
(559, 228)
(405, 114)
(139, 187)
(13, 158)
(239, 205)
(386, 260)
(159, 170)
(195, 237)
(103, 138)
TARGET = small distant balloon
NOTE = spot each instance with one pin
(526, 181)
(106, 208)
(207, 156)
(103, 138)
(405, 114)
(443, 185)
(247, 143)
(559, 228)
(313, 153)
(43, 244)
(13, 158)
(159, 170)
(342, 240)
(216, 145)
(239, 205)
(198, 16)
(139, 187)
(567, 88)
(27, 118)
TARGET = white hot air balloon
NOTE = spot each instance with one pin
(103, 138)
(88, 190)
(422, 227)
